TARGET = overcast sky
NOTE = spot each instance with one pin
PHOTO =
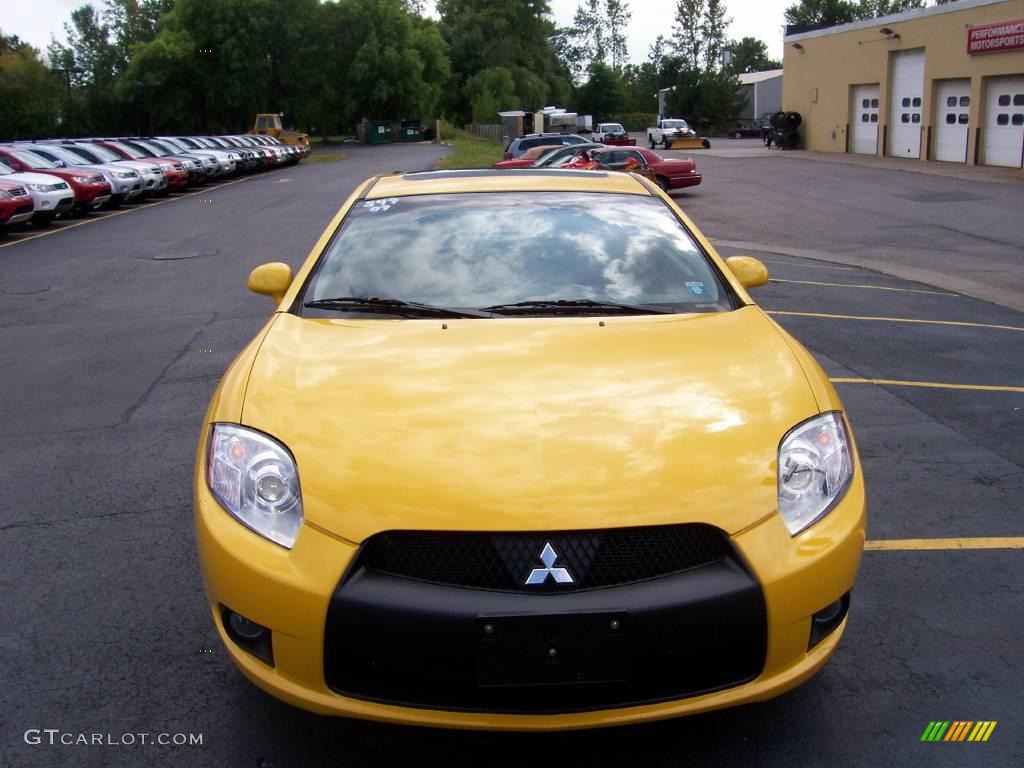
(36, 20)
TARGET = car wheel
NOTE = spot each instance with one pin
(651, 141)
(663, 183)
(737, 135)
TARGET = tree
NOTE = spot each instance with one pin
(598, 34)
(617, 17)
(829, 13)
(688, 33)
(750, 55)
(488, 91)
(602, 96)
(30, 95)
(716, 22)
(709, 100)
(516, 35)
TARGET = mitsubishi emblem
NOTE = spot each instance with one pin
(539, 576)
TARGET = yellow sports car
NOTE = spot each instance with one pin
(516, 450)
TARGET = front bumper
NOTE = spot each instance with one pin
(294, 594)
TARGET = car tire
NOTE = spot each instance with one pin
(737, 135)
(663, 183)
(651, 141)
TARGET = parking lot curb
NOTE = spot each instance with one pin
(964, 286)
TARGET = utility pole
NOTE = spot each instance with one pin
(67, 72)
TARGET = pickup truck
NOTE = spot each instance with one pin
(668, 129)
(613, 134)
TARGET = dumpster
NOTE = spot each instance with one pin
(380, 131)
(410, 131)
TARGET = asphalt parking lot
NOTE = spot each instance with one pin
(115, 333)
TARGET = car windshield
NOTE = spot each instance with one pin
(104, 154)
(5, 170)
(34, 161)
(612, 128)
(674, 124)
(132, 152)
(68, 157)
(479, 250)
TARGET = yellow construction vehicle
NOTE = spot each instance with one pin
(269, 124)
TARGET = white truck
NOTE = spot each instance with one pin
(614, 134)
(670, 128)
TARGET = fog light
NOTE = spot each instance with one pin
(825, 621)
(248, 630)
(247, 634)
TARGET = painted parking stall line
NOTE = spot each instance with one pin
(96, 218)
(946, 544)
(871, 318)
(926, 384)
(863, 285)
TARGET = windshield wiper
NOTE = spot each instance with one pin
(388, 306)
(574, 306)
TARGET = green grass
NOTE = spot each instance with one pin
(324, 157)
(468, 151)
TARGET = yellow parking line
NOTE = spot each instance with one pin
(928, 384)
(876, 287)
(897, 320)
(111, 215)
(895, 545)
(808, 266)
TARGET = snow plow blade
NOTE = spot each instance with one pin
(689, 142)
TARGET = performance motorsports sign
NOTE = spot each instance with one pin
(991, 38)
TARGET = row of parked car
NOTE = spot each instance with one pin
(575, 152)
(41, 180)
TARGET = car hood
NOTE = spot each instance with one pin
(31, 177)
(530, 424)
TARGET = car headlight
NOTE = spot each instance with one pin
(815, 469)
(83, 179)
(123, 174)
(254, 478)
(39, 187)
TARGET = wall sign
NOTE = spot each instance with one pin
(992, 38)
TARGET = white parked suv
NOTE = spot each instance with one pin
(50, 194)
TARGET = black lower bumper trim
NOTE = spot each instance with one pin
(404, 642)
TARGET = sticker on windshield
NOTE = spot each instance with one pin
(378, 206)
(697, 289)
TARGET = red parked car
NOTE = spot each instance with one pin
(528, 158)
(669, 173)
(16, 204)
(90, 188)
(174, 170)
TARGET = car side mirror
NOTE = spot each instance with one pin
(270, 280)
(748, 270)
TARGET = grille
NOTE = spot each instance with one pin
(17, 191)
(502, 561)
(59, 185)
(96, 179)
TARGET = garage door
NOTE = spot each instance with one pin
(952, 111)
(907, 103)
(864, 120)
(1004, 121)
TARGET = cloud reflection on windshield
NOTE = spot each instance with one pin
(470, 250)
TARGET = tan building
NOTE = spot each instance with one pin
(944, 82)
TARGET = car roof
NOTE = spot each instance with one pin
(506, 180)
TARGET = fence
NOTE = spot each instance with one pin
(485, 131)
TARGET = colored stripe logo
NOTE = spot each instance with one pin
(959, 730)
